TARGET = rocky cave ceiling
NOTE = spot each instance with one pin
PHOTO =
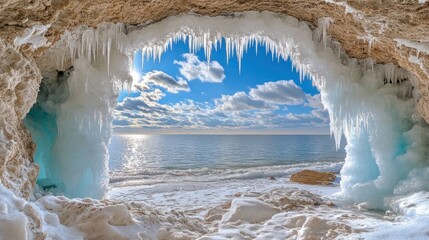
(364, 28)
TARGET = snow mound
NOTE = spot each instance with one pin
(95, 219)
(249, 210)
(283, 213)
(291, 198)
(20, 219)
(314, 227)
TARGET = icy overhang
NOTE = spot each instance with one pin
(363, 98)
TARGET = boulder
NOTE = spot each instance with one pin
(313, 177)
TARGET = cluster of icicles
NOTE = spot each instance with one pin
(94, 44)
(372, 105)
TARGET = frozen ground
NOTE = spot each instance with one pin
(262, 209)
(199, 196)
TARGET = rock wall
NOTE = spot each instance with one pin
(19, 84)
(370, 28)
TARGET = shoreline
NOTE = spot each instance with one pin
(234, 209)
(178, 194)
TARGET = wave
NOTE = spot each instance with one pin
(151, 176)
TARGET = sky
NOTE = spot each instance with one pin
(184, 93)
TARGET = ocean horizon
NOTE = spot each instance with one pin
(150, 159)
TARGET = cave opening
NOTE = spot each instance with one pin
(363, 99)
(182, 106)
(41, 121)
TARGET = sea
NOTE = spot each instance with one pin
(209, 168)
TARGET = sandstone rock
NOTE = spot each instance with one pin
(313, 177)
(19, 84)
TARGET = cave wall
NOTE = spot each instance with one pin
(364, 29)
(19, 84)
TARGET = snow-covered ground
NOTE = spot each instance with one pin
(264, 209)
(199, 196)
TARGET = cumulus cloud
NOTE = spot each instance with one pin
(162, 79)
(279, 92)
(314, 101)
(264, 97)
(194, 69)
(252, 110)
(240, 101)
(315, 116)
(145, 101)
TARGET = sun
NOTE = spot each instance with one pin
(136, 77)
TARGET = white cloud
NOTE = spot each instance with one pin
(279, 92)
(316, 116)
(145, 102)
(240, 101)
(314, 101)
(321, 114)
(162, 79)
(237, 111)
(292, 116)
(194, 69)
(264, 97)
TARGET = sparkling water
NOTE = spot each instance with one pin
(137, 160)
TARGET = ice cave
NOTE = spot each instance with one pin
(375, 104)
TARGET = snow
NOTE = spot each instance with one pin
(249, 210)
(20, 219)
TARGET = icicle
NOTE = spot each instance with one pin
(109, 42)
(227, 49)
(143, 52)
(323, 24)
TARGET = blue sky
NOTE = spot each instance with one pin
(184, 93)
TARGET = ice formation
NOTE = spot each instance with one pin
(372, 105)
(34, 36)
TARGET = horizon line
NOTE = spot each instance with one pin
(131, 131)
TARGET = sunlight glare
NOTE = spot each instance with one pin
(136, 77)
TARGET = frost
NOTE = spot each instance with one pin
(419, 46)
(34, 36)
(419, 62)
